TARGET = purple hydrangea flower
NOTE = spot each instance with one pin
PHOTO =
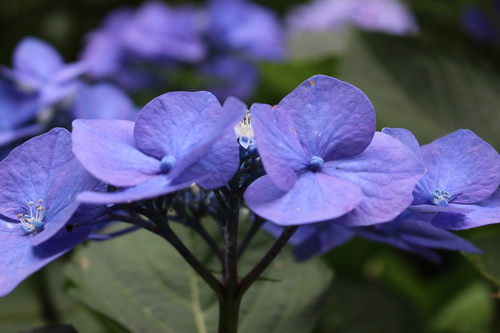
(103, 101)
(178, 138)
(462, 179)
(324, 160)
(388, 16)
(39, 69)
(39, 182)
(247, 27)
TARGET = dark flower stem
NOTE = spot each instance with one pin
(249, 236)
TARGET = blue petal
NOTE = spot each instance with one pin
(36, 58)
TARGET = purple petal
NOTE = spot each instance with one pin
(20, 259)
(479, 214)
(107, 149)
(278, 144)
(103, 101)
(334, 119)
(315, 197)
(160, 185)
(407, 138)
(462, 164)
(36, 58)
(425, 234)
(386, 172)
(175, 122)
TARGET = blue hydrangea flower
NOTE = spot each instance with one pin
(39, 69)
(324, 160)
(178, 138)
(246, 27)
(39, 181)
(462, 179)
(103, 101)
(388, 16)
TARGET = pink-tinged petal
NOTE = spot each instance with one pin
(37, 58)
(386, 172)
(334, 119)
(278, 144)
(481, 213)
(462, 164)
(315, 197)
(107, 149)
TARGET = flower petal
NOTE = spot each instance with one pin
(315, 197)
(278, 144)
(37, 58)
(106, 148)
(462, 164)
(386, 172)
(334, 119)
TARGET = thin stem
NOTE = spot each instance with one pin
(254, 274)
(47, 302)
(259, 221)
(168, 234)
(197, 226)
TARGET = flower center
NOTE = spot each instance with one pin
(316, 163)
(440, 198)
(167, 163)
(32, 223)
(244, 131)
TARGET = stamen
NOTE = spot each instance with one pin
(32, 223)
(440, 198)
(244, 131)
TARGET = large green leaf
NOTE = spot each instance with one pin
(487, 262)
(426, 88)
(140, 282)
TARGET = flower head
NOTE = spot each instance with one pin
(39, 182)
(462, 179)
(324, 160)
(178, 138)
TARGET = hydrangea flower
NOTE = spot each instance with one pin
(178, 138)
(246, 27)
(388, 16)
(462, 179)
(39, 182)
(479, 25)
(39, 69)
(324, 159)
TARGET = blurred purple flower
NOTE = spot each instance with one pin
(324, 160)
(241, 25)
(39, 182)
(479, 25)
(39, 69)
(462, 179)
(229, 75)
(178, 138)
(388, 16)
(103, 101)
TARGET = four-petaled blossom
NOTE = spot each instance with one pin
(461, 183)
(178, 138)
(39, 69)
(39, 182)
(324, 160)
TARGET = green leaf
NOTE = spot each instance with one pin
(140, 282)
(53, 329)
(469, 312)
(488, 262)
(426, 88)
